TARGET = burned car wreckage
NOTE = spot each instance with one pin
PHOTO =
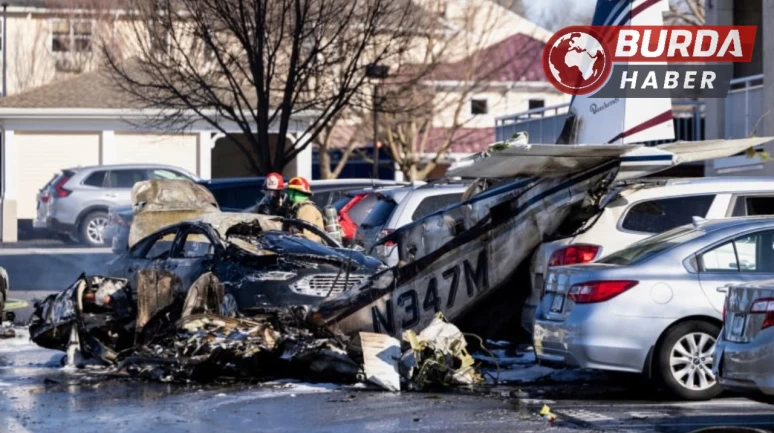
(205, 293)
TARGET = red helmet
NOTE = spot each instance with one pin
(299, 183)
(273, 182)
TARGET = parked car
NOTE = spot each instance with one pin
(398, 207)
(74, 203)
(355, 206)
(238, 195)
(641, 209)
(653, 307)
(3, 292)
(744, 355)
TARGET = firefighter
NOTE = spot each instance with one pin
(302, 208)
(273, 201)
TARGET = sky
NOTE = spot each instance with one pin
(537, 9)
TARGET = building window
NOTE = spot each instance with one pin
(478, 106)
(158, 37)
(536, 103)
(71, 36)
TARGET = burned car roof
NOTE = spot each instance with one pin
(162, 202)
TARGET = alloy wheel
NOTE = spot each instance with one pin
(95, 229)
(691, 359)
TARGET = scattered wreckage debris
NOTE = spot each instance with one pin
(169, 335)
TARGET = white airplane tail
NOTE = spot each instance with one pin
(621, 120)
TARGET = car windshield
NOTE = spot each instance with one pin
(652, 246)
(380, 213)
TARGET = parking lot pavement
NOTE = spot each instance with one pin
(36, 395)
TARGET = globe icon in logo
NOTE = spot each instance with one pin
(576, 62)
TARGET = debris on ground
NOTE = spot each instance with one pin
(164, 334)
(546, 413)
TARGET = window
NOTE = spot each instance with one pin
(536, 103)
(237, 197)
(748, 253)
(652, 246)
(380, 213)
(158, 37)
(169, 174)
(478, 106)
(360, 211)
(196, 245)
(96, 179)
(161, 246)
(754, 205)
(68, 36)
(434, 203)
(720, 259)
(125, 178)
(656, 216)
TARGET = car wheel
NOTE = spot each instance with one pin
(685, 360)
(92, 229)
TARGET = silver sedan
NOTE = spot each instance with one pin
(654, 307)
(744, 354)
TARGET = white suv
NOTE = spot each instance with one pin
(643, 209)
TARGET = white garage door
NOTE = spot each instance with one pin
(174, 149)
(43, 155)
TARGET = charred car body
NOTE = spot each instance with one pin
(255, 256)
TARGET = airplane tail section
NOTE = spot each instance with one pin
(621, 120)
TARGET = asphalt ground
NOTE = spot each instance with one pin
(37, 395)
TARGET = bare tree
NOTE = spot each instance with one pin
(64, 44)
(685, 13)
(258, 64)
(427, 107)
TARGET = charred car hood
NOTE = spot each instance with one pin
(283, 243)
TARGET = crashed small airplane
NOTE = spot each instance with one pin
(462, 262)
(455, 259)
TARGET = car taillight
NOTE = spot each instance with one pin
(598, 291)
(60, 189)
(386, 232)
(573, 254)
(764, 306)
(44, 197)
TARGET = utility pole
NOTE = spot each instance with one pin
(375, 104)
(376, 72)
(5, 46)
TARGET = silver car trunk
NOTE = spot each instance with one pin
(741, 325)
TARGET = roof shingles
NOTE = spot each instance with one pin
(89, 90)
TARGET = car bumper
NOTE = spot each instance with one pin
(57, 226)
(746, 367)
(589, 339)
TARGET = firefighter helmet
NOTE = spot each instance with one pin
(273, 182)
(300, 184)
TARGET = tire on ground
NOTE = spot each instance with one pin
(83, 228)
(662, 362)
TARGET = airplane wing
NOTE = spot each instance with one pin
(542, 160)
(552, 160)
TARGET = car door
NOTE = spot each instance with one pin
(746, 258)
(149, 254)
(192, 255)
(119, 183)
